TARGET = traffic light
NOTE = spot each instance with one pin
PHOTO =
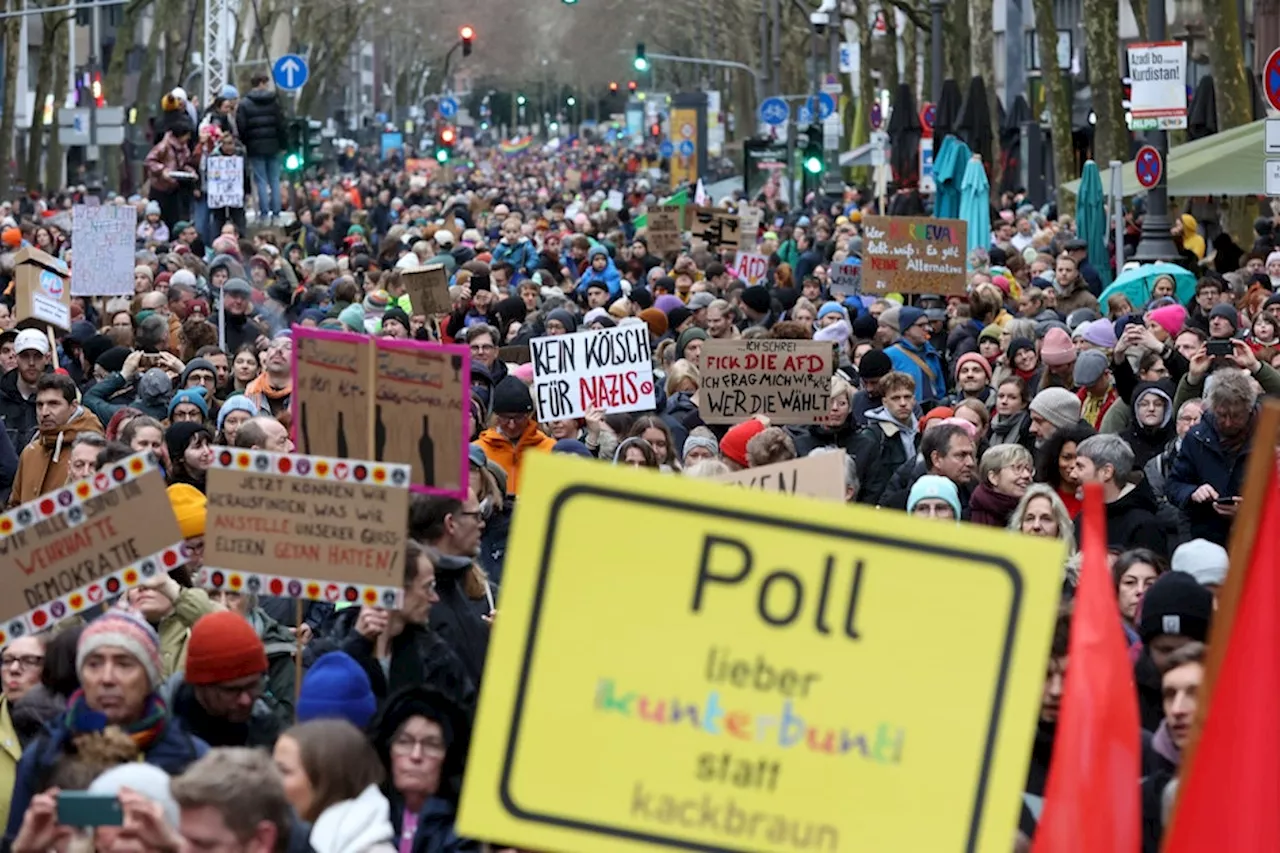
(613, 87)
(641, 63)
(313, 138)
(632, 85)
(296, 139)
(655, 130)
(468, 34)
(445, 139)
(813, 158)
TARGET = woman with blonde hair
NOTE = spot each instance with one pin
(1042, 513)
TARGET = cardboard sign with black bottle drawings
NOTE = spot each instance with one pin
(384, 400)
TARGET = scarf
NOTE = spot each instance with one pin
(262, 385)
(1027, 375)
(81, 719)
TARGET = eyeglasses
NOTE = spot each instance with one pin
(405, 745)
(483, 348)
(23, 661)
(231, 692)
(475, 513)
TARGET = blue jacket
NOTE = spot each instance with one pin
(926, 388)
(610, 276)
(1202, 459)
(172, 752)
(435, 833)
(522, 255)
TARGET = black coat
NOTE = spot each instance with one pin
(18, 414)
(456, 618)
(260, 120)
(877, 455)
(1132, 522)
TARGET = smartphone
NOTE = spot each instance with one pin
(82, 809)
(1218, 348)
(1226, 501)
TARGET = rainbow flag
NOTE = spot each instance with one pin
(515, 146)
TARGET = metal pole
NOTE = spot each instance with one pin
(95, 47)
(70, 7)
(1156, 243)
(775, 12)
(1117, 207)
(935, 48)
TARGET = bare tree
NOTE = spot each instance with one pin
(1101, 34)
(1056, 97)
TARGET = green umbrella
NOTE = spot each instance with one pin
(1091, 220)
(680, 199)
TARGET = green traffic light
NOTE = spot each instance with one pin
(442, 156)
(813, 165)
(641, 64)
(293, 162)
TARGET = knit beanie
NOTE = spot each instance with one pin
(377, 301)
(1176, 604)
(908, 316)
(708, 444)
(127, 631)
(1058, 406)
(990, 332)
(1226, 312)
(190, 508)
(864, 327)
(178, 437)
(352, 317)
(831, 308)
(1170, 318)
(757, 298)
(1201, 559)
(734, 444)
(395, 312)
(194, 396)
(235, 403)
(890, 317)
(677, 316)
(1100, 333)
(874, 366)
(1057, 348)
(223, 647)
(688, 336)
(972, 358)
(154, 387)
(934, 486)
(1089, 367)
(336, 688)
(656, 321)
(511, 397)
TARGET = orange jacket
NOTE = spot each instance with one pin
(501, 451)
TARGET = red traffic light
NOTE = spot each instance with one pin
(448, 135)
(467, 33)
(613, 86)
(655, 129)
(632, 85)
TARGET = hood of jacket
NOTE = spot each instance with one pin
(261, 97)
(1137, 496)
(58, 437)
(9, 388)
(354, 826)
(1162, 388)
(881, 415)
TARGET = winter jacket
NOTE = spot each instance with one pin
(1203, 459)
(360, 825)
(260, 119)
(508, 455)
(435, 832)
(17, 412)
(907, 358)
(261, 730)
(522, 255)
(989, 507)
(1131, 521)
(418, 656)
(609, 276)
(681, 415)
(175, 628)
(457, 618)
(42, 465)
(1149, 442)
(863, 402)
(1077, 296)
(172, 751)
(878, 450)
(1012, 429)
(168, 155)
(114, 393)
(809, 438)
(8, 464)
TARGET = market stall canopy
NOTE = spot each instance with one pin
(1228, 163)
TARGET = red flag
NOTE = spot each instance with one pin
(1235, 768)
(1092, 798)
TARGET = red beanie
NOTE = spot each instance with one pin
(224, 647)
(734, 444)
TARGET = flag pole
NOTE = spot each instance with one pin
(1244, 532)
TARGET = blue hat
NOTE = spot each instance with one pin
(336, 688)
(830, 308)
(572, 447)
(476, 456)
(195, 396)
(229, 92)
(236, 403)
(908, 316)
(934, 486)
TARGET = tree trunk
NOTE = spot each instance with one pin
(984, 67)
(1139, 9)
(892, 76)
(1231, 90)
(53, 155)
(49, 55)
(956, 41)
(1101, 35)
(152, 65)
(12, 32)
(1057, 100)
(911, 60)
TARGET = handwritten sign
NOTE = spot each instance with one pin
(428, 289)
(664, 229)
(417, 416)
(751, 268)
(225, 181)
(903, 254)
(572, 180)
(608, 369)
(719, 229)
(312, 527)
(749, 225)
(42, 285)
(846, 279)
(70, 549)
(768, 685)
(790, 381)
(820, 475)
(103, 239)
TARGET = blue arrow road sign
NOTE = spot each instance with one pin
(448, 107)
(686, 148)
(289, 72)
(826, 105)
(774, 111)
(666, 149)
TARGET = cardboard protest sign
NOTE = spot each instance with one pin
(42, 289)
(104, 239)
(423, 393)
(748, 225)
(391, 401)
(846, 279)
(820, 475)
(572, 180)
(664, 229)
(787, 380)
(751, 268)
(908, 254)
(515, 354)
(719, 229)
(312, 527)
(773, 677)
(70, 549)
(428, 289)
(608, 369)
(225, 181)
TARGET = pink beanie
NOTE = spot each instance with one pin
(1170, 318)
(1057, 349)
(976, 359)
